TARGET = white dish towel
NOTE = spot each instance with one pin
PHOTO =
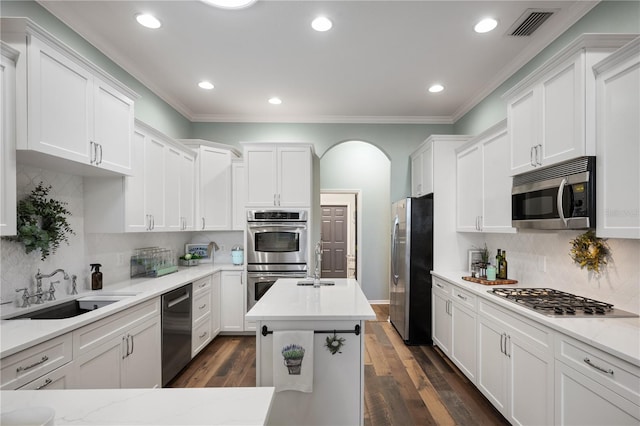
(293, 360)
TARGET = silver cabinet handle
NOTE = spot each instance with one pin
(203, 223)
(99, 145)
(462, 297)
(203, 334)
(45, 384)
(539, 154)
(153, 222)
(35, 364)
(92, 152)
(126, 354)
(202, 285)
(597, 367)
(507, 345)
(531, 156)
(503, 343)
(439, 285)
(279, 199)
(203, 306)
(132, 345)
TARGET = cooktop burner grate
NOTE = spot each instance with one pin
(556, 303)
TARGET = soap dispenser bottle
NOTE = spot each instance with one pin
(96, 276)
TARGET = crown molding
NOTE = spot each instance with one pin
(328, 119)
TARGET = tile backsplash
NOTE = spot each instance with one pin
(113, 251)
(541, 259)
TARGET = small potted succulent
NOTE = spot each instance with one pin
(189, 259)
(293, 355)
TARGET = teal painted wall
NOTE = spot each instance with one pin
(397, 141)
(149, 107)
(606, 17)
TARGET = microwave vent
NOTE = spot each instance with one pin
(529, 22)
(571, 167)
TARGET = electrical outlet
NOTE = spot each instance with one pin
(120, 259)
(223, 248)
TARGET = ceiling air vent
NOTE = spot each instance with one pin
(530, 21)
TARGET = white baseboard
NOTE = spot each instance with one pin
(378, 302)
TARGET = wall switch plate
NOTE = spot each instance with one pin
(542, 263)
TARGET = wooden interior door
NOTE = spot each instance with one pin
(334, 241)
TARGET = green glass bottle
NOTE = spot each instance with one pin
(502, 272)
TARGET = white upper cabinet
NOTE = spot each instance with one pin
(8, 141)
(159, 197)
(422, 170)
(239, 195)
(551, 112)
(67, 107)
(617, 144)
(213, 184)
(278, 175)
(483, 185)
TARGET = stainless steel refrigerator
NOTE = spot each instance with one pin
(411, 263)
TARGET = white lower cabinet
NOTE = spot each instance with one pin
(515, 365)
(232, 298)
(120, 351)
(593, 387)
(454, 325)
(201, 315)
(215, 304)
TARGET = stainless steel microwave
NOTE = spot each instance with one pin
(560, 196)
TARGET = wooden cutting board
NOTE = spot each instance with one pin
(483, 281)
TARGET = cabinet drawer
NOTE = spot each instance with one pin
(200, 336)
(201, 285)
(201, 306)
(531, 331)
(57, 379)
(93, 335)
(26, 366)
(441, 286)
(464, 298)
(614, 373)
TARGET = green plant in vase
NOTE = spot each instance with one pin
(293, 355)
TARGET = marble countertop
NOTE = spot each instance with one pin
(194, 406)
(288, 301)
(20, 334)
(617, 336)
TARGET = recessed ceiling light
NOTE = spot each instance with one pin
(275, 101)
(147, 20)
(321, 23)
(436, 88)
(205, 85)
(229, 4)
(485, 25)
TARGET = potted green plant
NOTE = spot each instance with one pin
(42, 222)
(293, 355)
(189, 259)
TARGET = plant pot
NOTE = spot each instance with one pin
(294, 365)
(190, 262)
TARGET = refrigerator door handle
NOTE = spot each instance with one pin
(394, 251)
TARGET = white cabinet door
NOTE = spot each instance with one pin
(261, 175)
(463, 339)
(187, 191)
(154, 177)
(469, 189)
(441, 318)
(101, 367)
(172, 186)
(215, 304)
(113, 131)
(416, 174)
(617, 147)
(492, 367)
(215, 189)
(563, 112)
(496, 183)
(136, 218)
(8, 147)
(585, 402)
(142, 366)
(60, 105)
(294, 177)
(239, 196)
(232, 297)
(524, 131)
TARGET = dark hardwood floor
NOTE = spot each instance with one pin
(404, 385)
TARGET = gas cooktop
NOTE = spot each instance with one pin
(555, 303)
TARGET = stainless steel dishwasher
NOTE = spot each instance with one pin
(176, 331)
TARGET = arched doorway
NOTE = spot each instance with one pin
(361, 168)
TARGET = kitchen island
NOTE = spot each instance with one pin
(337, 396)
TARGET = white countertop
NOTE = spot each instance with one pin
(617, 336)
(194, 406)
(20, 334)
(286, 300)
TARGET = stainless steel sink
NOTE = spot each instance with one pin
(310, 282)
(74, 308)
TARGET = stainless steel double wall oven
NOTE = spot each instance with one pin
(277, 242)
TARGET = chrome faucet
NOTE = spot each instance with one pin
(39, 293)
(316, 274)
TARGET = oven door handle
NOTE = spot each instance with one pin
(277, 274)
(275, 225)
(559, 201)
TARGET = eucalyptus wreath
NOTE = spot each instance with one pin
(42, 222)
